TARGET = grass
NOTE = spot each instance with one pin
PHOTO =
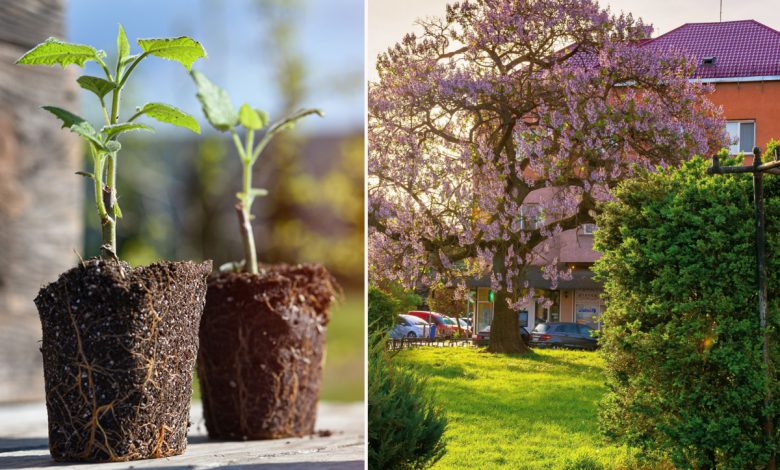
(519, 412)
(343, 376)
(345, 363)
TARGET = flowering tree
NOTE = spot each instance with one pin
(501, 98)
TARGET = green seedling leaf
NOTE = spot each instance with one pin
(182, 49)
(253, 193)
(113, 146)
(232, 267)
(122, 44)
(249, 117)
(55, 52)
(96, 85)
(263, 117)
(169, 114)
(290, 121)
(216, 103)
(68, 119)
(126, 60)
(116, 129)
(86, 174)
(77, 125)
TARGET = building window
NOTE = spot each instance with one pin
(742, 136)
(531, 216)
(589, 229)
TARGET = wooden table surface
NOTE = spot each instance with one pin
(23, 444)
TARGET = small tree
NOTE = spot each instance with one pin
(405, 427)
(103, 144)
(445, 300)
(382, 311)
(223, 116)
(681, 336)
(496, 99)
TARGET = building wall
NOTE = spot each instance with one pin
(759, 101)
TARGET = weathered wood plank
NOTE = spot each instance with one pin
(23, 444)
(40, 198)
(25, 23)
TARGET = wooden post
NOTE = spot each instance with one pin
(40, 197)
(758, 170)
(758, 205)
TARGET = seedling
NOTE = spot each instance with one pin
(222, 115)
(103, 145)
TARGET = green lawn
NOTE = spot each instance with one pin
(345, 362)
(520, 412)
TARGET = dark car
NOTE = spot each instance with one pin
(564, 335)
(484, 336)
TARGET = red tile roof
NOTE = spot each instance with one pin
(740, 48)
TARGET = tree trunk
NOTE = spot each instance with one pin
(40, 197)
(504, 329)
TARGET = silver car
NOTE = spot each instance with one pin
(409, 326)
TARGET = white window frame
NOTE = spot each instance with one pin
(589, 229)
(734, 148)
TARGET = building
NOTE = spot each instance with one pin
(742, 60)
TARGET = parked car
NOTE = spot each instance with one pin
(466, 325)
(484, 335)
(564, 335)
(443, 328)
(409, 326)
(461, 330)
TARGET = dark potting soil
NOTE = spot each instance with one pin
(262, 344)
(119, 346)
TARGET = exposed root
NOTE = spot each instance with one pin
(118, 349)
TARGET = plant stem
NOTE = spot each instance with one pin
(110, 195)
(102, 199)
(244, 206)
(107, 193)
(245, 222)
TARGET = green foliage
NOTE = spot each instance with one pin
(96, 85)
(78, 125)
(217, 107)
(406, 298)
(168, 114)
(442, 300)
(103, 146)
(681, 336)
(221, 114)
(55, 52)
(405, 426)
(122, 44)
(122, 127)
(181, 49)
(250, 118)
(382, 311)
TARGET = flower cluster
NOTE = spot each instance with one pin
(502, 102)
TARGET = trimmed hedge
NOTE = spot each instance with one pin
(681, 334)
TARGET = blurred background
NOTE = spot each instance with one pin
(176, 188)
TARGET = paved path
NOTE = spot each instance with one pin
(23, 444)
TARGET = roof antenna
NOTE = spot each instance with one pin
(720, 19)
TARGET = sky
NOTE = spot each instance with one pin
(331, 40)
(389, 20)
